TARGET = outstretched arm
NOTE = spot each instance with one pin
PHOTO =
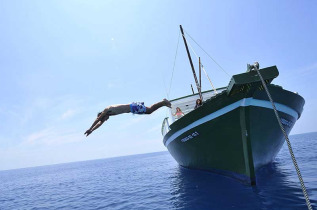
(100, 117)
(97, 120)
(97, 123)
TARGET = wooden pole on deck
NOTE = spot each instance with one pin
(191, 62)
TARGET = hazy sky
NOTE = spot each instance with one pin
(62, 62)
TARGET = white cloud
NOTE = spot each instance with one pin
(52, 136)
(113, 44)
(37, 136)
(309, 68)
(137, 120)
(155, 129)
(304, 70)
(111, 85)
(115, 83)
(69, 113)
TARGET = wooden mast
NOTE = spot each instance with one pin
(191, 63)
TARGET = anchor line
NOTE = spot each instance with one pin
(288, 142)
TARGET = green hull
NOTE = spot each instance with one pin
(234, 134)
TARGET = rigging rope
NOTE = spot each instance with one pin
(193, 50)
(209, 80)
(203, 68)
(169, 90)
(208, 55)
(288, 142)
(165, 87)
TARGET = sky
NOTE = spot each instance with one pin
(62, 62)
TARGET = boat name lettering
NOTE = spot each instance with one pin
(286, 122)
(191, 136)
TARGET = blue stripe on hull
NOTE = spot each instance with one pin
(241, 103)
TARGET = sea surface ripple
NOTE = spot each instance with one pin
(156, 181)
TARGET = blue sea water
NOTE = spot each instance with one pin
(156, 181)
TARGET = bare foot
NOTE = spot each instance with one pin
(167, 103)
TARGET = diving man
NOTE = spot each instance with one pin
(135, 108)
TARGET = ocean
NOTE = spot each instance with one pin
(156, 181)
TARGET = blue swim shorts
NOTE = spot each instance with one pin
(137, 108)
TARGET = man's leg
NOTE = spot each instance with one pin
(158, 105)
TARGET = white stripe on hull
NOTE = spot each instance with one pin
(242, 103)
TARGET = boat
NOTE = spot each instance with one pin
(235, 131)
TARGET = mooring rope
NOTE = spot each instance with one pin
(287, 140)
